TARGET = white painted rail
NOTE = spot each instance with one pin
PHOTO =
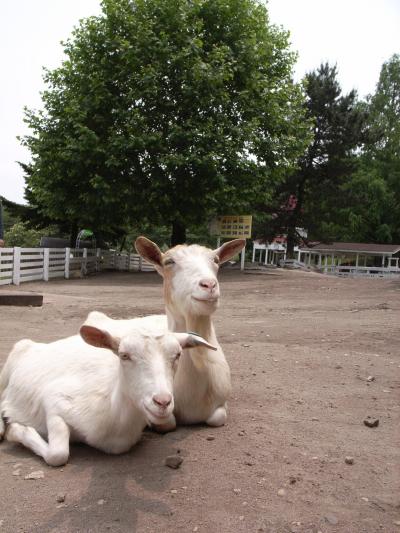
(18, 265)
(345, 270)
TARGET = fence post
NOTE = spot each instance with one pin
(67, 255)
(84, 262)
(98, 259)
(17, 265)
(46, 257)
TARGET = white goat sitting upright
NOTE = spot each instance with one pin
(191, 292)
(101, 392)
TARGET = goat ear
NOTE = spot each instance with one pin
(149, 251)
(99, 338)
(192, 340)
(229, 249)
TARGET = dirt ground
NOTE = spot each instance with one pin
(301, 348)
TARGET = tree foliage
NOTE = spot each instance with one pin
(368, 208)
(170, 111)
(22, 234)
(308, 197)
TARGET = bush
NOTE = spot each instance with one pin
(20, 234)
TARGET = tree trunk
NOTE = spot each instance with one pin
(290, 239)
(178, 233)
(294, 218)
(122, 243)
(73, 233)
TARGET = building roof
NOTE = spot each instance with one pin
(355, 247)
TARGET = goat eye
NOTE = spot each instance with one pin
(169, 261)
(124, 356)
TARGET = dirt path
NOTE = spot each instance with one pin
(301, 348)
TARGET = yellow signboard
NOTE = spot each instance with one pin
(235, 226)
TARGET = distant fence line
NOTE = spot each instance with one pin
(18, 265)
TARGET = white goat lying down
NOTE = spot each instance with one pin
(102, 392)
(191, 293)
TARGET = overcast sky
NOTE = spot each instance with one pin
(358, 35)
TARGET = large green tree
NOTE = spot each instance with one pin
(381, 159)
(368, 207)
(170, 111)
(308, 197)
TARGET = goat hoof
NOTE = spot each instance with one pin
(218, 418)
(57, 459)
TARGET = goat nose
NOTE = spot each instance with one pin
(208, 284)
(162, 400)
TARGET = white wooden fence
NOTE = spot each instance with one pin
(369, 271)
(29, 264)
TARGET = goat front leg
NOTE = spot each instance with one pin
(58, 436)
(55, 452)
(218, 418)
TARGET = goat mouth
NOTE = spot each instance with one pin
(156, 417)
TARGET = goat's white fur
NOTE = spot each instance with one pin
(102, 394)
(202, 382)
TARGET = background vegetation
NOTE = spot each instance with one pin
(166, 114)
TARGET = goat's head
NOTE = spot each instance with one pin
(148, 364)
(190, 273)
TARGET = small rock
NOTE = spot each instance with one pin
(174, 491)
(196, 528)
(281, 492)
(338, 367)
(241, 517)
(396, 522)
(364, 499)
(246, 345)
(17, 472)
(315, 419)
(241, 433)
(349, 460)
(237, 491)
(331, 519)
(60, 498)
(292, 480)
(101, 502)
(371, 422)
(370, 378)
(36, 474)
(174, 461)
(210, 437)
